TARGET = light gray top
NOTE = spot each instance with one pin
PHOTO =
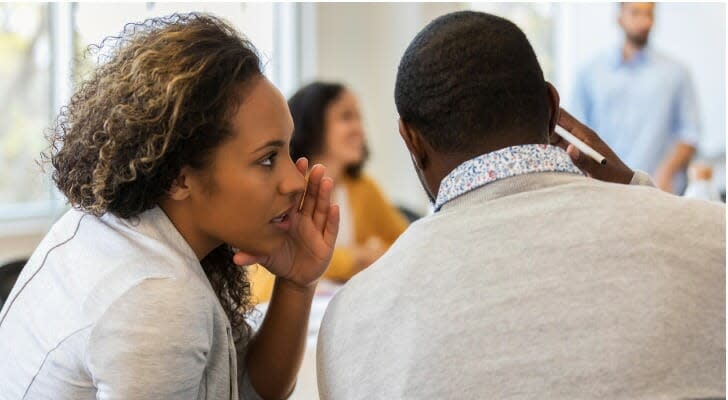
(108, 308)
(543, 285)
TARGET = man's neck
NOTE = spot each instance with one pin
(630, 50)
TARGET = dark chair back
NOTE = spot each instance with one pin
(9, 273)
(411, 215)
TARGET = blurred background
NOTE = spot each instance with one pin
(43, 56)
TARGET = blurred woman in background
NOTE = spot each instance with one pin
(328, 130)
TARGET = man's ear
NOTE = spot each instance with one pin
(554, 110)
(180, 189)
(413, 141)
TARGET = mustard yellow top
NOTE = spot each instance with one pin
(373, 216)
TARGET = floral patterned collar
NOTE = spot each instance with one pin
(501, 164)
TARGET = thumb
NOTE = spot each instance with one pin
(243, 259)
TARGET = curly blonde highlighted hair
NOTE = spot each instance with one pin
(161, 101)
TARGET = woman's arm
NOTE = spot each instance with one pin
(275, 353)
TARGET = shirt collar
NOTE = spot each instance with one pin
(639, 58)
(501, 164)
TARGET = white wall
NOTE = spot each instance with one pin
(694, 34)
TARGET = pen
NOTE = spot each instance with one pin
(305, 189)
(583, 147)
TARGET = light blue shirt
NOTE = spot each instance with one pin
(640, 107)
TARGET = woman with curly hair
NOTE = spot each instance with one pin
(174, 156)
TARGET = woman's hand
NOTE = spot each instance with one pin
(307, 250)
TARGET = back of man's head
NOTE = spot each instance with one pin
(470, 79)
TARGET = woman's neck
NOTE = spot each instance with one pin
(200, 244)
(334, 170)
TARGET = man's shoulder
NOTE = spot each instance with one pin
(660, 56)
(669, 64)
(650, 202)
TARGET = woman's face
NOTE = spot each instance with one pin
(244, 196)
(344, 134)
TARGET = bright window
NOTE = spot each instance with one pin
(26, 105)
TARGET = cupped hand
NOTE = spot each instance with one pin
(306, 252)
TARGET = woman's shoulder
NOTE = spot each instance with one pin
(162, 295)
(94, 262)
(149, 284)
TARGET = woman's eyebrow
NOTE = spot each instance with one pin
(272, 143)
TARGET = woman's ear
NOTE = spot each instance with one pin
(180, 189)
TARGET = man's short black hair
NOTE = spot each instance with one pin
(468, 76)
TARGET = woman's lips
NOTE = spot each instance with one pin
(282, 221)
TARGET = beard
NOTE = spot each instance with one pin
(638, 40)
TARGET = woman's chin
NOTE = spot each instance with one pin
(354, 159)
(258, 249)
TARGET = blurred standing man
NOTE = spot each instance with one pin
(641, 102)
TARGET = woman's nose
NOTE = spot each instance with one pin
(293, 181)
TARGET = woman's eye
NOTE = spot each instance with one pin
(268, 161)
